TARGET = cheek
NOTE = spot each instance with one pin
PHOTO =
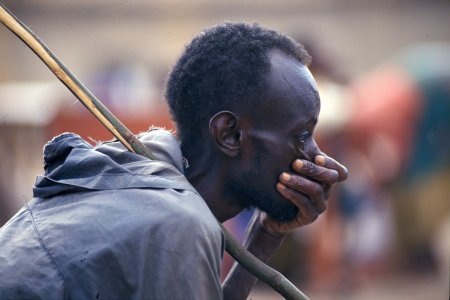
(282, 158)
(271, 161)
(297, 151)
(272, 157)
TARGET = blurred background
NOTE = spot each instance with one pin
(383, 70)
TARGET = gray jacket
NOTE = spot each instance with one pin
(105, 223)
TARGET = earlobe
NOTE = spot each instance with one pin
(225, 130)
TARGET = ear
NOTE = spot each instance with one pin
(226, 132)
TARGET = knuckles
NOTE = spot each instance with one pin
(317, 193)
(321, 207)
(312, 217)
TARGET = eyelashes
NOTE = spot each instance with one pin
(303, 138)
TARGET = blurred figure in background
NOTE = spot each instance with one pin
(423, 204)
(400, 151)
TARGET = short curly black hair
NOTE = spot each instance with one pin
(224, 66)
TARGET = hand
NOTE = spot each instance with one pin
(308, 190)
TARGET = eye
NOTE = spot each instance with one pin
(303, 138)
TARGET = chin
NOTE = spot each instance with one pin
(268, 201)
(275, 206)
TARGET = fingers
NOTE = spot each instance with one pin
(322, 174)
(310, 186)
(303, 193)
(308, 212)
(330, 163)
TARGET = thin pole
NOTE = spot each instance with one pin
(268, 275)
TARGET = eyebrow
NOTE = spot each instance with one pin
(313, 121)
(304, 125)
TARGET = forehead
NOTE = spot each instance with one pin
(291, 97)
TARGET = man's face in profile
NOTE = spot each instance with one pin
(280, 131)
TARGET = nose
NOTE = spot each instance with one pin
(312, 150)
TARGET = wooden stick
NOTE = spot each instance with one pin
(245, 258)
(265, 273)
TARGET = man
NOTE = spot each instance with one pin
(109, 224)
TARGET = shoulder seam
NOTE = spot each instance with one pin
(41, 242)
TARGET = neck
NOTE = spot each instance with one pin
(206, 173)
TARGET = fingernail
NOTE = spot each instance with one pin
(320, 160)
(285, 177)
(298, 164)
(281, 186)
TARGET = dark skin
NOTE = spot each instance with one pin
(266, 158)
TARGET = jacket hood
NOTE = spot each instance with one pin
(73, 165)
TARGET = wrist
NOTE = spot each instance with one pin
(264, 228)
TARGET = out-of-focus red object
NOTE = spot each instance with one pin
(89, 128)
(386, 101)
